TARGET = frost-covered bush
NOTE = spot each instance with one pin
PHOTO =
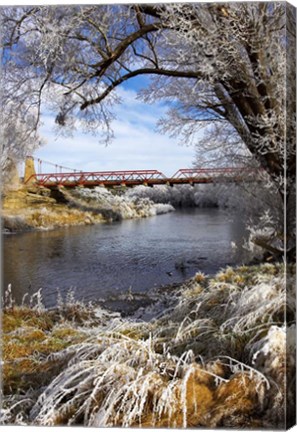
(115, 206)
(178, 196)
(265, 235)
(249, 199)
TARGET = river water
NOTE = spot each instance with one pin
(106, 259)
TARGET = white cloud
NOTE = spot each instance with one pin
(136, 145)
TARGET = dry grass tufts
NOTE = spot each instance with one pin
(22, 317)
(31, 334)
(128, 384)
(200, 277)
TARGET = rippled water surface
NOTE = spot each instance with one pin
(102, 260)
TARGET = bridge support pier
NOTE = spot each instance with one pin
(29, 171)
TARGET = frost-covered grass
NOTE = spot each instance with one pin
(217, 355)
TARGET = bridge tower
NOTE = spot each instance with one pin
(29, 170)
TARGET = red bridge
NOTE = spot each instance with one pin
(143, 177)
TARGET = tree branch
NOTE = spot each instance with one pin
(145, 71)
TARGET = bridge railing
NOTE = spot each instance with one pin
(42, 165)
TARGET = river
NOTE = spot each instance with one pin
(102, 260)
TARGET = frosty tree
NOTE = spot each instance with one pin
(18, 138)
(228, 67)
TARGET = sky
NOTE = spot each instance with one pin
(136, 145)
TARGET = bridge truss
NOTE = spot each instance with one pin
(142, 177)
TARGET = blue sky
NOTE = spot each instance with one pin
(136, 145)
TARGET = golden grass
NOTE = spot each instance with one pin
(39, 211)
(199, 277)
(27, 336)
(203, 403)
(20, 317)
(60, 215)
(198, 399)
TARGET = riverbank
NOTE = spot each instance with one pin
(28, 209)
(31, 208)
(216, 355)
